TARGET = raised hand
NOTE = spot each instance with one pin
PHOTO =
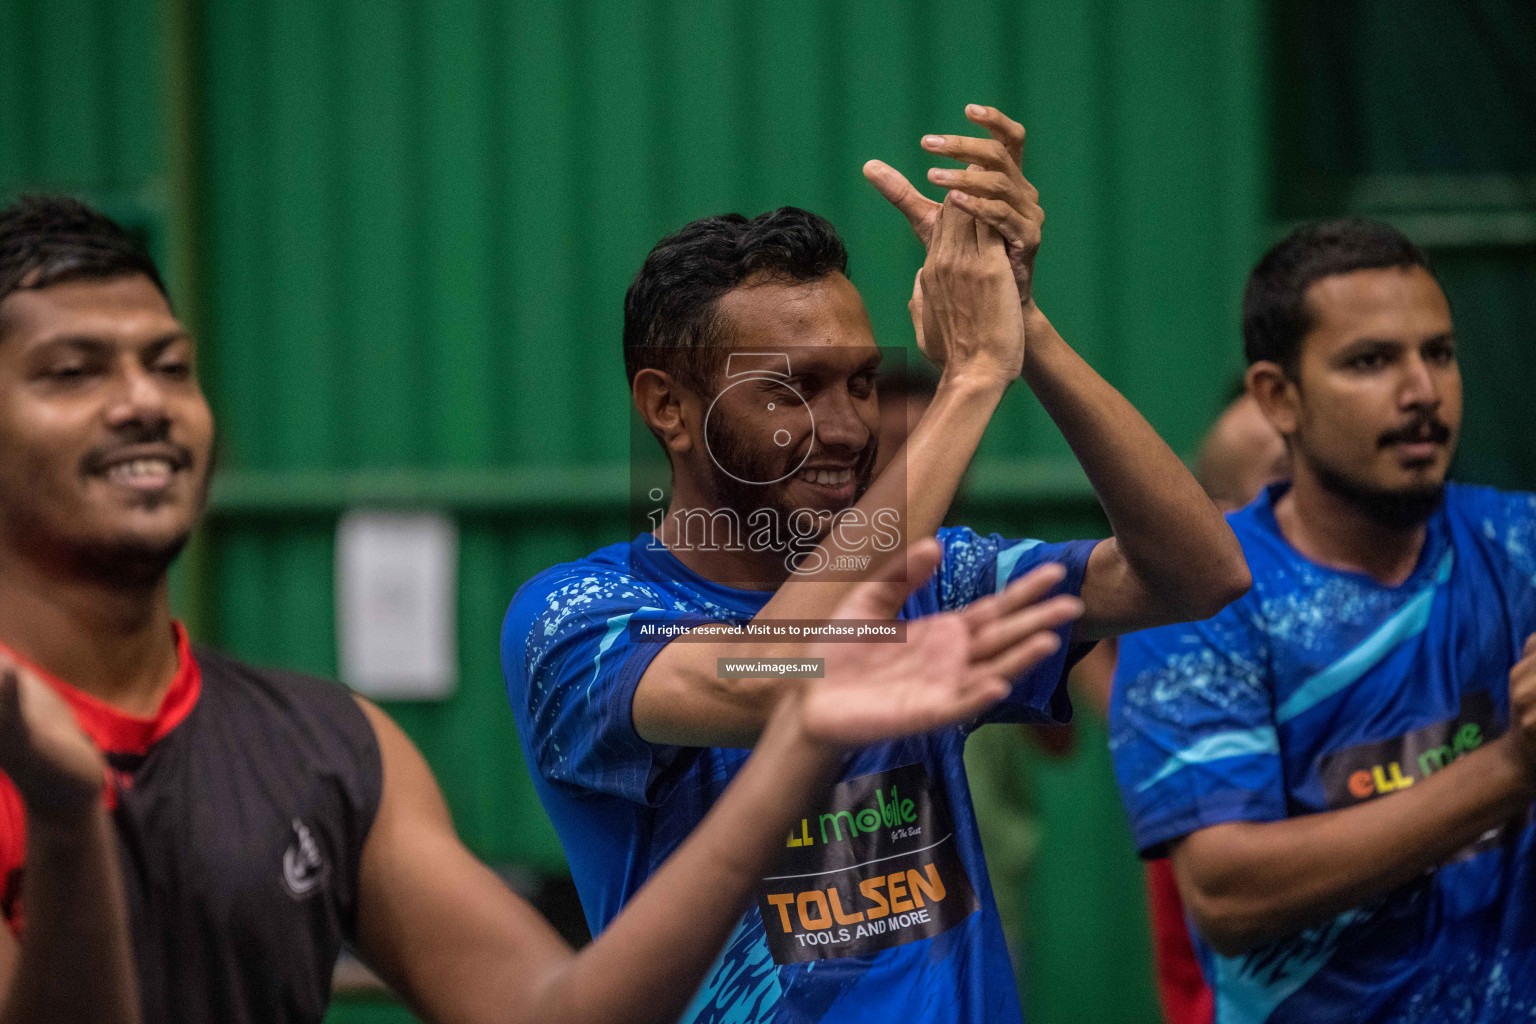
(992, 188)
(951, 668)
(1522, 709)
(57, 769)
(1015, 630)
(972, 320)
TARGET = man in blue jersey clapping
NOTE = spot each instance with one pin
(1342, 763)
(752, 362)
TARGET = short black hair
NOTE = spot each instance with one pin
(672, 303)
(50, 239)
(1275, 312)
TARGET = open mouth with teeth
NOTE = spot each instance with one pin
(826, 477)
(830, 489)
(149, 473)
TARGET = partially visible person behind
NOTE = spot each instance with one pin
(252, 819)
(905, 396)
(1241, 455)
(1342, 763)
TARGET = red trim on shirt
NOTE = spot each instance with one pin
(117, 732)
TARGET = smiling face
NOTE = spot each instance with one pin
(105, 437)
(1374, 408)
(795, 422)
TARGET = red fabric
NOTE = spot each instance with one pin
(118, 733)
(115, 732)
(1181, 988)
(13, 852)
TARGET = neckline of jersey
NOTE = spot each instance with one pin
(114, 730)
(1430, 552)
(664, 566)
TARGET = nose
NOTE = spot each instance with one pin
(138, 397)
(838, 424)
(1420, 388)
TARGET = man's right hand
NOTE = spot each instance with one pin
(1246, 883)
(77, 914)
(1521, 738)
(951, 667)
(55, 766)
(973, 324)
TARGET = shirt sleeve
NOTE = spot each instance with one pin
(1192, 729)
(573, 650)
(975, 566)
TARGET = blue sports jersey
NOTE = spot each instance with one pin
(879, 908)
(1320, 689)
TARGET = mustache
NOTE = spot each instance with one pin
(743, 459)
(132, 436)
(1426, 427)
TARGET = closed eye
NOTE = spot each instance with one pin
(68, 373)
(1441, 352)
(1369, 358)
(176, 369)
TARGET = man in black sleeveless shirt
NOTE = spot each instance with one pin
(252, 819)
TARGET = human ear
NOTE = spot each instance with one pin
(664, 405)
(1276, 394)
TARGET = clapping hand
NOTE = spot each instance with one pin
(952, 666)
(55, 766)
(992, 188)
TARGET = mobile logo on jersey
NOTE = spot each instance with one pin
(303, 867)
(1376, 769)
(878, 868)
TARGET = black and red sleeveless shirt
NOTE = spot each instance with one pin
(241, 808)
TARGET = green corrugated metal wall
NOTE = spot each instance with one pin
(79, 100)
(404, 230)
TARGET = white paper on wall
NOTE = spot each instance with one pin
(396, 590)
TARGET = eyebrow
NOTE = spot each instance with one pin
(97, 341)
(1370, 342)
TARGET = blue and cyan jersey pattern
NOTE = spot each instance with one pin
(1321, 688)
(621, 805)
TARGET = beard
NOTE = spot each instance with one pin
(1395, 509)
(747, 463)
(1392, 508)
(128, 560)
(131, 564)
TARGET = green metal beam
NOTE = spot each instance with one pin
(527, 490)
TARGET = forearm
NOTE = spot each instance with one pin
(647, 964)
(1170, 535)
(1247, 884)
(916, 489)
(76, 960)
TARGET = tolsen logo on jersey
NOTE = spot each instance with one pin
(876, 868)
(304, 869)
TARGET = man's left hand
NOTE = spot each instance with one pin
(992, 188)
